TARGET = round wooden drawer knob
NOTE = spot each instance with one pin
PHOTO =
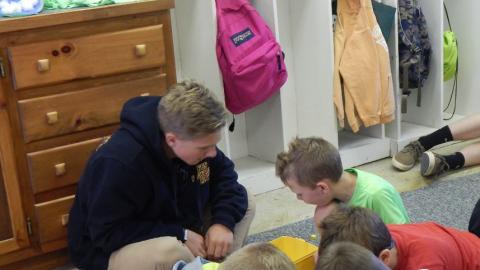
(140, 50)
(52, 117)
(65, 220)
(43, 65)
(60, 169)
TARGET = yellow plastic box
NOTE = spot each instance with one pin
(298, 250)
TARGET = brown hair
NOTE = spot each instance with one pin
(346, 256)
(356, 224)
(190, 110)
(258, 256)
(309, 160)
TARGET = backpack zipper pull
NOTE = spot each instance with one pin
(279, 62)
(231, 127)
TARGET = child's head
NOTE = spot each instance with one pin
(190, 110)
(309, 167)
(259, 256)
(361, 226)
(191, 119)
(346, 256)
(321, 212)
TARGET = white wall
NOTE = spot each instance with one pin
(311, 43)
(430, 111)
(197, 26)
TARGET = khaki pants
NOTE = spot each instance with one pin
(164, 252)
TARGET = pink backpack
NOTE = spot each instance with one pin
(250, 59)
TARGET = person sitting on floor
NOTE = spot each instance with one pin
(402, 246)
(159, 190)
(258, 256)
(347, 256)
(433, 164)
(312, 169)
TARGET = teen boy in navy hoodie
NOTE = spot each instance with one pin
(159, 190)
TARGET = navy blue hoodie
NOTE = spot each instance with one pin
(130, 191)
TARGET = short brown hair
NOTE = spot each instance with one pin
(346, 256)
(356, 224)
(309, 160)
(190, 110)
(258, 256)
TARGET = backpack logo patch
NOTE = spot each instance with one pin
(242, 37)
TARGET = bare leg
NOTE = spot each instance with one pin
(471, 154)
(467, 128)
(436, 164)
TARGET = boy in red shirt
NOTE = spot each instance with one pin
(406, 246)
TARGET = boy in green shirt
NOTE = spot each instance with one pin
(313, 170)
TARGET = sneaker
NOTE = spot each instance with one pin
(433, 164)
(406, 159)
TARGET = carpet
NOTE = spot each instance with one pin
(446, 202)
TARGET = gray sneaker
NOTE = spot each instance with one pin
(433, 164)
(408, 156)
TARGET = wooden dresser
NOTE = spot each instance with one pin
(63, 80)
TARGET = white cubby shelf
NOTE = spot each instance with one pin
(304, 105)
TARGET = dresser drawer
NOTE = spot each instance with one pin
(54, 115)
(88, 56)
(52, 218)
(59, 166)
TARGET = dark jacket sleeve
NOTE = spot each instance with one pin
(119, 193)
(228, 197)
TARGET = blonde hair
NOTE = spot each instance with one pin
(309, 160)
(258, 256)
(190, 111)
(346, 256)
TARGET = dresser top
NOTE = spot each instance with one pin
(66, 16)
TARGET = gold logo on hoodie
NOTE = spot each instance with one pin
(203, 172)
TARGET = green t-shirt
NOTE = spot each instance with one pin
(374, 192)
